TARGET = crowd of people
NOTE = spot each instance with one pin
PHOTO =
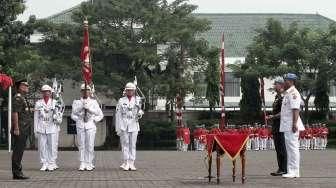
(314, 137)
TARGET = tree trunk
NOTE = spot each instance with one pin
(306, 108)
(171, 111)
(211, 112)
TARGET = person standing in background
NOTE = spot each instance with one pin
(278, 137)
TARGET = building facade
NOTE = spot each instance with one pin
(238, 29)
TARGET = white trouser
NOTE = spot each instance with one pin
(302, 143)
(56, 145)
(85, 140)
(315, 143)
(307, 143)
(324, 143)
(293, 152)
(263, 142)
(47, 148)
(248, 144)
(128, 145)
(320, 143)
(270, 143)
(255, 143)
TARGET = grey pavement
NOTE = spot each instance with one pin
(169, 169)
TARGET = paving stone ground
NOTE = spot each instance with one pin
(169, 169)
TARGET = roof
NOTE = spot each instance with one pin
(239, 29)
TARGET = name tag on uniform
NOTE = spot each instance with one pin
(46, 119)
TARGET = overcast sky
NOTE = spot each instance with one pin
(45, 8)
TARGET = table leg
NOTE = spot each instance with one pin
(243, 161)
(218, 164)
(209, 168)
(234, 170)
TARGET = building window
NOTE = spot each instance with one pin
(232, 85)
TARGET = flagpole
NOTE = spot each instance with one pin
(86, 25)
(9, 118)
(222, 85)
(262, 96)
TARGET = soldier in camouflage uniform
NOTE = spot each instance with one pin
(22, 120)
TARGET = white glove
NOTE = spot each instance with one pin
(140, 113)
(118, 132)
(85, 105)
(35, 134)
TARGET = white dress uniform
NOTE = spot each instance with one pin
(46, 130)
(86, 131)
(291, 100)
(128, 112)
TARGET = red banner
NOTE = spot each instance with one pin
(85, 56)
(231, 144)
(5, 81)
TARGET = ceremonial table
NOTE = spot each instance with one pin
(231, 144)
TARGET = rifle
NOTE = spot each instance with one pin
(59, 106)
(140, 99)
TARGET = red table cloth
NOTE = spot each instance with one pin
(230, 143)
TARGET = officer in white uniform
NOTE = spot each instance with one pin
(46, 130)
(86, 113)
(128, 112)
(291, 124)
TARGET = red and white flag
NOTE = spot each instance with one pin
(5, 81)
(85, 55)
(222, 85)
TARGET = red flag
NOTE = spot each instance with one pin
(85, 56)
(222, 85)
(5, 81)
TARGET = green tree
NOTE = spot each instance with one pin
(14, 38)
(250, 103)
(212, 79)
(306, 52)
(322, 94)
(124, 41)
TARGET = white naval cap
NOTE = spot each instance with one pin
(279, 80)
(130, 86)
(46, 88)
(87, 87)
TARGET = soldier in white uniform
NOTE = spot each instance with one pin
(46, 130)
(86, 113)
(128, 112)
(291, 124)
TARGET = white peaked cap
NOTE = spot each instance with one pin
(130, 86)
(46, 88)
(87, 87)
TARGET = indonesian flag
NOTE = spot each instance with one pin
(222, 84)
(5, 81)
(85, 56)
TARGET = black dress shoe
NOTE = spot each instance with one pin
(278, 173)
(20, 177)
